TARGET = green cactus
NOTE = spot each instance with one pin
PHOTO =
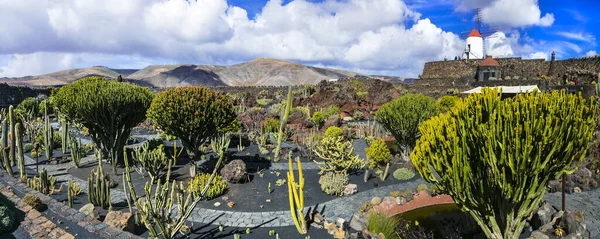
(99, 186)
(48, 137)
(153, 161)
(20, 157)
(64, 133)
(296, 195)
(44, 183)
(11, 120)
(495, 156)
(76, 150)
(4, 147)
(338, 156)
(284, 118)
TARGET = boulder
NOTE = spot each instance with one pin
(376, 201)
(90, 210)
(350, 189)
(333, 120)
(538, 235)
(573, 223)
(235, 171)
(121, 220)
(359, 221)
(542, 216)
(576, 190)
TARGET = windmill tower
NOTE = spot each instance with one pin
(475, 42)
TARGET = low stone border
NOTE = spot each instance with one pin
(422, 199)
(92, 225)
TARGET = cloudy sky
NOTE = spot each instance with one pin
(389, 37)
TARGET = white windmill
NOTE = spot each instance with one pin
(475, 42)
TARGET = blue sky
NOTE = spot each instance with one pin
(388, 37)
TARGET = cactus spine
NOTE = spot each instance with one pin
(296, 195)
(284, 118)
(20, 157)
(48, 134)
(98, 187)
(12, 136)
(4, 147)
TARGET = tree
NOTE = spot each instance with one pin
(402, 117)
(107, 108)
(378, 153)
(495, 157)
(29, 105)
(193, 114)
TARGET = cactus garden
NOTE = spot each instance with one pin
(211, 163)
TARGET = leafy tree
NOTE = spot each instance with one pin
(495, 157)
(447, 102)
(378, 153)
(108, 109)
(29, 105)
(402, 117)
(193, 114)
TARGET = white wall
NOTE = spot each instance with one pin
(476, 51)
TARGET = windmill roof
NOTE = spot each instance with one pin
(474, 33)
(489, 61)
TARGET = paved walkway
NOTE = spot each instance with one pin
(588, 202)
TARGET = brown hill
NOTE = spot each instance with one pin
(61, 77)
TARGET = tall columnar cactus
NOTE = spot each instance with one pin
(496, 157)
(20, 157)
(64, 133)
(4, 147)
(284, 118)
(296, 195)
(98, 187)
(73, 190)
(11, 118)
(48, 136)
(76, 152)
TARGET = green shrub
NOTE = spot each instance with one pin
(7, 214)
(34, 201)
(447, 102)
(270, 125)
(333, 183)
(56, 139)
(333, 131)
(403, 174)
(44, 103)
(29, 105)
(422, 187)
(378, 153)
(108, 108)
(331, 110)
(318, 118)
(193, 114)
(380, 222)
(358, 115)
(338, 156)
(27, 147)
(216, 189)
(395, 194)
(263, 102)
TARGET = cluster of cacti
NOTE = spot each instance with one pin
(32, 125)
(378, 154)
(99, 186)
(296, 195)
(152, 161)
(284, 118)
(4, 147)
(338, 156)
(383, 173)
(64, 133)
(43, 183)
(108, 109)
(220, 144)
(333, 183)
(240, 146)
(34, 201)
(493, 153)
(48, 132)
(216, 188)
(72, 191)
(77, 150)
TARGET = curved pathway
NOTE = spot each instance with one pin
(587, 202)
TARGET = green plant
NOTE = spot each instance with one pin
(559, 231)
(434, 190)
(358, 115)
(7, 214)
(77, 150)
(331, 110)
(402, 117)
(192, 114)
(27, 147)
(64, 134)
(263, 102)
(384, 174)
(43, 183)
(333, 183)
(108, 109)
(403, 174)
(334, 131)
(280, 182)
(338, 156)
(269, 188)
(270, 125)
(318, 118)
(395, 194)
(99, 186)
(296, 195)
(4, 147)
(152, 161)
(422, 187)
(12, 131)
(284, 118)
(447, 102)
(219, 145)
(380, 222)
(217, 186)
(500, 154)
(378, 153)
(34, 202)
(72, 191)
(29, 104)
(247, 230)
(20, 157)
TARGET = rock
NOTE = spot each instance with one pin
(329, 226)
(90, 210)
(347, 118)
(235, 171)
(543, 216)
(121, 220)
(318, 218)
(358, 222)
(376, 201)
(573, 223)
(538, 235)
(333, 120)
(399, 200)
(388, 200)
(339, 233)
(350, 189)
(341, 222)
(217, 204)
(576, 190)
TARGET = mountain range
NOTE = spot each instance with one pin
(261, 71)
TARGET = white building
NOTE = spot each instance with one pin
(474, 47)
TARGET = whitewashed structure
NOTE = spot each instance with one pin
(474, 47)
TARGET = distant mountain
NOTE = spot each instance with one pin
(261, 71)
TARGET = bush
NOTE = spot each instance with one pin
(193, 114)
(151, 159)
(56, 139)
(422, 187)
(447, 102)
(263, 102)
(27, 147)
(270, 125)
(34, 201)
(42, 106)
(109, 109)
(338, 156)
(380, 222)
(403, 174)
(403, 116)
(318, 118)
(378, 153)
(235, 171)
(333, 131)
(412, 230)
(333, 183)
(358, 115)
(331, 110)
(29, 105)
(7, 214)
(216, 189)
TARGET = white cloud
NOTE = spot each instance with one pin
(370, 35)
(538, 55)
(508, 13)
(579, 36)
(591, 53)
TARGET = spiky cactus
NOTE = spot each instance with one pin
(98, 186)
(153, 161)
(73, 190)
(4, 147)
(76, 152)
(296, 195)
(64, 132)
(44, 183)
(11, 120)
(48, 136)
(284, 118)
(19, 146)
(496, 157)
